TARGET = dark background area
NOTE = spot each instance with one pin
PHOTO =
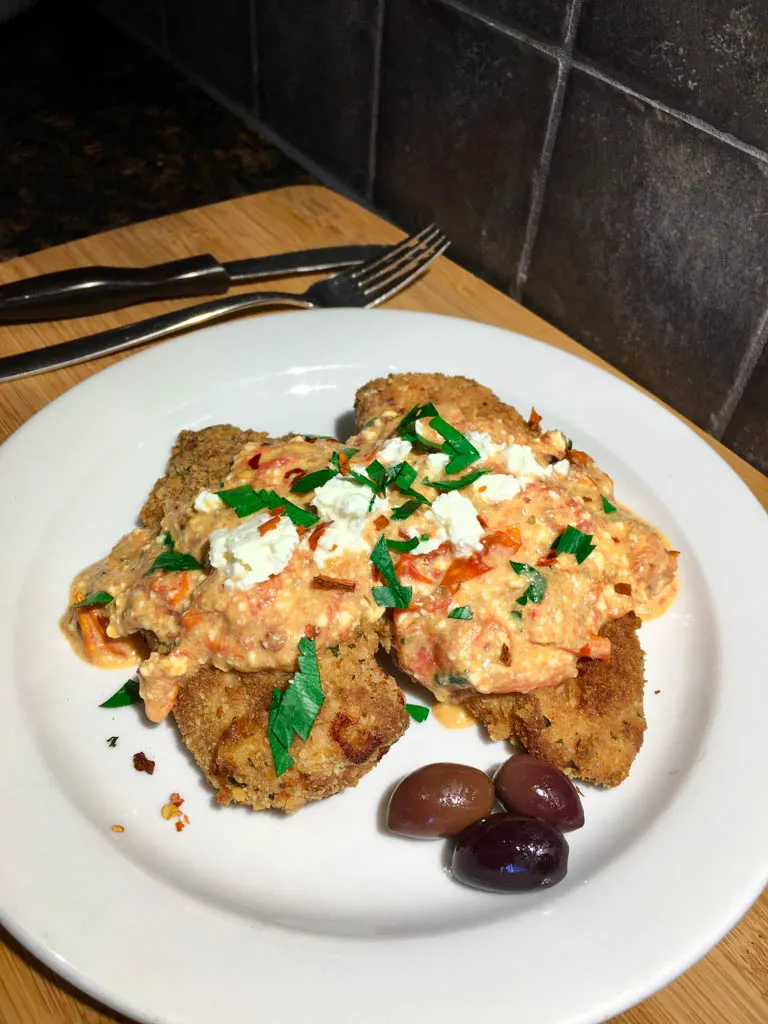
(605, 162)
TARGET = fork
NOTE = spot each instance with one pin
(368, 284)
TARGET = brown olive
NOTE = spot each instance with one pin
(528, 785)
(440, 800)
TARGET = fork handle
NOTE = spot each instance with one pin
(117, 339)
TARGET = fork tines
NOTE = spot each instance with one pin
(405, 261)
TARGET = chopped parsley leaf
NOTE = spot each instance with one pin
(100, 597)
(455, 485)
(245, 501)
(295, 709)
(310, 481)
(516, 614)
(127, 694)
(568, 444)
(537, 583)
(391, 597)
(394, 595)
(574, 542)
(403, 545)
(461, 451)
(405, 510)
(463, 612)
(112, 741)
(173, 561)
(607, 506)
(406, 428)
(417, 712)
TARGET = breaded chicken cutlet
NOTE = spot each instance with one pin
(591, 726)
(223, 716)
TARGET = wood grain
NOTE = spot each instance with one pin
(730, 985)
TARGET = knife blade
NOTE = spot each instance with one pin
(82, 291)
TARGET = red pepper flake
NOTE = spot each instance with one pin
(331, 583)
(142, 763)
(297, 473)
(506, 655)
(271, 524)
(312, 632)
(316, 534)
(179, 826)
(176, 800)
(674, 554)
(548, 559)
(380, 522)
(622, 588)
(254, 460)
(482, 522)
(534, 419)
(657, 691)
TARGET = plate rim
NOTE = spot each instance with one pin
(115, 371)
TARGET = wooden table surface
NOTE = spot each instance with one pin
(730, 985)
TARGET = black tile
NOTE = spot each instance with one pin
(747, 433)
(145, 17)
(545, 18)
(651, 247)
(461, 129)
(316, 79)
(708, 58)
(214, 41)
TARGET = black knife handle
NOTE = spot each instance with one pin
(87, 290)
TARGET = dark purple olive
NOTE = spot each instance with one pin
(510, 853)
(440, 800)
(527, 785)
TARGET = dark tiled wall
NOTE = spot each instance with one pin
(603, 161)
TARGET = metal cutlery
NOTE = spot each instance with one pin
(81, 291)
(369, 284)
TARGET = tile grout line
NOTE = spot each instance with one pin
(507, 30)
(562, 53)
(757, 345)
(373, 139)
(690, 119)
(541, 174)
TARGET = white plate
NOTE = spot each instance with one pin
(322, 917)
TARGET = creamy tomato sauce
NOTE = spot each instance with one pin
(264, 581)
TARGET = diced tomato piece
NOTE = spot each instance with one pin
(597, 647)
(462, 569)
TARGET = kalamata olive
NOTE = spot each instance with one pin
(510, 853)
(527, 785)
(440, 800)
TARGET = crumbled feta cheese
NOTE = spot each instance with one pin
(437, 461)
(424, 547)
(520, 461)
(393, 451)
(485, 446)
(207, 501)
(347, 507)
(457, 515)
(561, 468)
(245, 557)
(495, 487)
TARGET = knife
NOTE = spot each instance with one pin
(85, 290)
